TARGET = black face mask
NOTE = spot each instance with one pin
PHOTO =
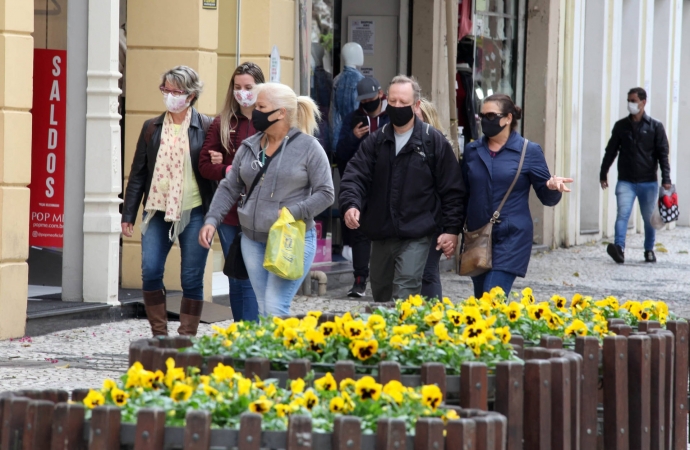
(491, 128)
(260, 119)
(400, 116)
(372, 106)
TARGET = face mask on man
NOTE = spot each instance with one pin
(492, 127)
(633, 108)
(245, 98)
(371, 106)
(400, 115)
(175, 104)
(260, 119)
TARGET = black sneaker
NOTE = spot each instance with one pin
(359, 288)
(649, 256)
(616, 252)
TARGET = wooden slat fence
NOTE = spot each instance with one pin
(630, 393)
(32, 423)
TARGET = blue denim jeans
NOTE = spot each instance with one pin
(155, 246)
(489, 280)
(242, 297)
(274, 294)
(647, 194)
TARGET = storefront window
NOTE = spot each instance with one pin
(496, 48)
(490, 49)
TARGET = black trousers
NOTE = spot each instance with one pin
(361, 245)
(431, 280)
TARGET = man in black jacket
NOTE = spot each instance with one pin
(357, 125)
(403, 186)
(643, 147)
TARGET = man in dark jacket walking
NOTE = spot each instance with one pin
(357, 125)
(402, 186)
(643, 147)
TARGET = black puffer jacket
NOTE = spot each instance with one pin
(641, 149)
(144, 163)
(399, 196)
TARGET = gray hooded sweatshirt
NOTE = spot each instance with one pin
(299, 178)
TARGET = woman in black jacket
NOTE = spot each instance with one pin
(165, 174)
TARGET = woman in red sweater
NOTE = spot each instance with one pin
(223, 139)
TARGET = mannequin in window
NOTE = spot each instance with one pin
(321, 87)
(344, 96)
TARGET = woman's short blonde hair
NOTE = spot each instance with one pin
(186, 79)
(430, 114)
(302, 112)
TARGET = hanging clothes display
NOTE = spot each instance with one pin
(464, 18)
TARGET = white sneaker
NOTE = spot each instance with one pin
(347, 253)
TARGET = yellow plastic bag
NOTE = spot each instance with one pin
(285, 248)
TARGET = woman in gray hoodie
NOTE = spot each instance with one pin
(295, 174)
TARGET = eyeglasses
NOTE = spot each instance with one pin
(490, 115)
(174, 92)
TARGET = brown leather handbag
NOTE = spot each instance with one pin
(476, 254)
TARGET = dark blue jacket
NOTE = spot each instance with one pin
(487, 180)
(348, 143)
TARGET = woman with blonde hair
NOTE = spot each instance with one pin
(429, 114)
(283, 165)
(224, 137)
(431, 279)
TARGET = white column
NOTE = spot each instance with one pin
(614, 74)
(683, 183)
(101, 215)
(570, 133)
(595, 131)
(73, 247)
(673, 110)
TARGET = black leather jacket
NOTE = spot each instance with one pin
(399, 196)
(144, 163)
(643, 147)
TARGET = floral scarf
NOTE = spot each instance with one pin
(167, 193)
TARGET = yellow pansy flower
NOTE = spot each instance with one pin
(364, 350)
(310, 399)
(93, 399)
(109, 385)
(326, 383)
(503, 334)
(395, 390)
(336, 405)
(297, 386)
(181, 392)
(376, 322)
(261, 406)
(576, 327)
(367, 388)
(433, 318)
(354, 329)
(432, 396)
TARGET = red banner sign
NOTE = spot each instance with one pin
(48, 148)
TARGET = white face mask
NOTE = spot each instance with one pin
(175, 104)
(245, 98)
(633, 108)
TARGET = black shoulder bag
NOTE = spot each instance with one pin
(234, 262)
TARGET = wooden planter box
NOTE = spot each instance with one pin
(637, 383)
(33, 420)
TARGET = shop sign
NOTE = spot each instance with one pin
(363, 32)
(48, 148)
(210, 4)
(274, 75)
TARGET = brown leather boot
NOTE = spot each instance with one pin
(190, 314)
(154, 301)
